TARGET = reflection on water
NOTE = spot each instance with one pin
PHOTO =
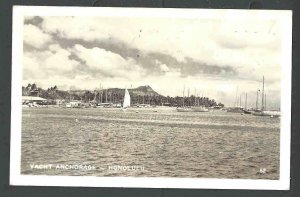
(165, 143)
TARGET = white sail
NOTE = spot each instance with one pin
(126, 102)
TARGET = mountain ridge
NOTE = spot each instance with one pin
(145, 90)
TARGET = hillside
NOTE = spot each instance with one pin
(143, 90)
(139, 91)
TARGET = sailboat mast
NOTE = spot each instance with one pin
(183, 96)
(262, 94)
(246, 101)
(106, 96)
(113, 97)
(265, 101)
(110, 101)
(236, 97)
(188, 101)
(101, 92)
(257, 99)
(195, 97)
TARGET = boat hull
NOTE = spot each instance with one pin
(184, 109)
(199, 109)
(247, 112)
(235, 110)
(267, 113)
(192, 109)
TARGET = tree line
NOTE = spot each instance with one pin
(116, 95)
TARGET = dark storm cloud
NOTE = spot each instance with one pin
(150, 62)
(83, 69)
(192, 67)
(33, 21)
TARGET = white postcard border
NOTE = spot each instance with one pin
(90, 181)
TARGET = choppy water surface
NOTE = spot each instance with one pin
(165, 143)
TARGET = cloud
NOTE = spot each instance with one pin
(48, 63)
(150, 35)
(99, 58)
(35, 37)
(245, 33)
(31, 68)
(28, 18)
(149, 63)
(164, 68)
(85, 28)
(192, 68)
(222, 43)
(108, 63)
(33, 20)
(59, 61)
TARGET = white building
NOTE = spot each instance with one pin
(32, 99)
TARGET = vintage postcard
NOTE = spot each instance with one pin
(148, 97)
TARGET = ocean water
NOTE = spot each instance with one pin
(166, 143)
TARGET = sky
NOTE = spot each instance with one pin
(219, 58)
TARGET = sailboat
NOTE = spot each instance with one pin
(126, 102)
(260, 112)
(183, 108)
(246, 110)
(237, 108)
(263, 111)
(191, 109)
(199, 109)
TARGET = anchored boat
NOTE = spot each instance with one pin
(199, 109)
(191, 109)
(126, 102)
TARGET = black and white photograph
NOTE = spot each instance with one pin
(149, 97)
